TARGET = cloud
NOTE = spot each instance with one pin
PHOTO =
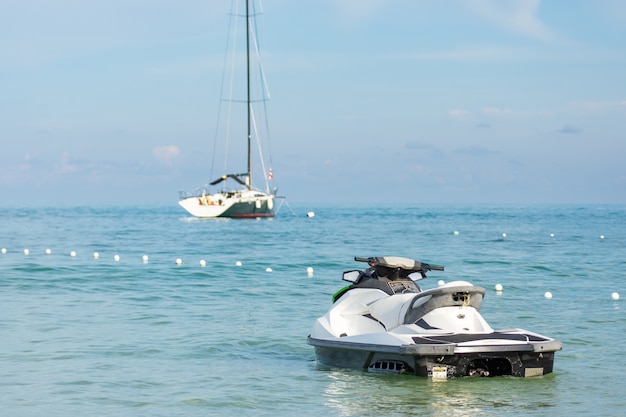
(488, 114)
(598, 106)
(413, 144)
(495, 111)
(459, 114)
(64, 165)
(476, 151)
(569, 129)
(166, 154)
(473, 53)
(424, 148)
(519, 16)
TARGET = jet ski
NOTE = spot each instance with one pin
(383, 322)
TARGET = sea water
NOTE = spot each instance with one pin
(128, 335)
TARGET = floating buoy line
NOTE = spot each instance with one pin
(145, 259)
(615, 296)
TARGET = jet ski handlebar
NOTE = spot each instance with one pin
(399, 262)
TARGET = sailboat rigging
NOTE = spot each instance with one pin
(244, 201)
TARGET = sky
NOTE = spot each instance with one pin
(390, 101)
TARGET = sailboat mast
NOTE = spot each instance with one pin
(249, 182)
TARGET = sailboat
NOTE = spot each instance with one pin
(238, 198)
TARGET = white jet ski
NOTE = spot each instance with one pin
(383, 322)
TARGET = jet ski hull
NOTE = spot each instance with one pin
(429, 357)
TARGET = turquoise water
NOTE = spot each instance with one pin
(100, 337)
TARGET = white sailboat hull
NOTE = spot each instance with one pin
(236, 204)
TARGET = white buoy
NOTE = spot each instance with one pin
(310, 214)
(202, 263)
(309, 271)
(268, 269)
(73, 253)
(96, 255)
(116, 258)
(504, 235)
(48, 251)
(4, 250)
(144, 259)
(179, 261)
(601, 236)
(26, 252)
(615, 296)
(498, 287)
(238, 263)
(551, 234)
(548, 295)
(456, 233)
(441, 283)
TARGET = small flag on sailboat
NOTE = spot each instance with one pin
(270, 175)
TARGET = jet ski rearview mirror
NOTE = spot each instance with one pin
(351, 276)
(416, 276)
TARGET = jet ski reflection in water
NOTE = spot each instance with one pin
(383, 322)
